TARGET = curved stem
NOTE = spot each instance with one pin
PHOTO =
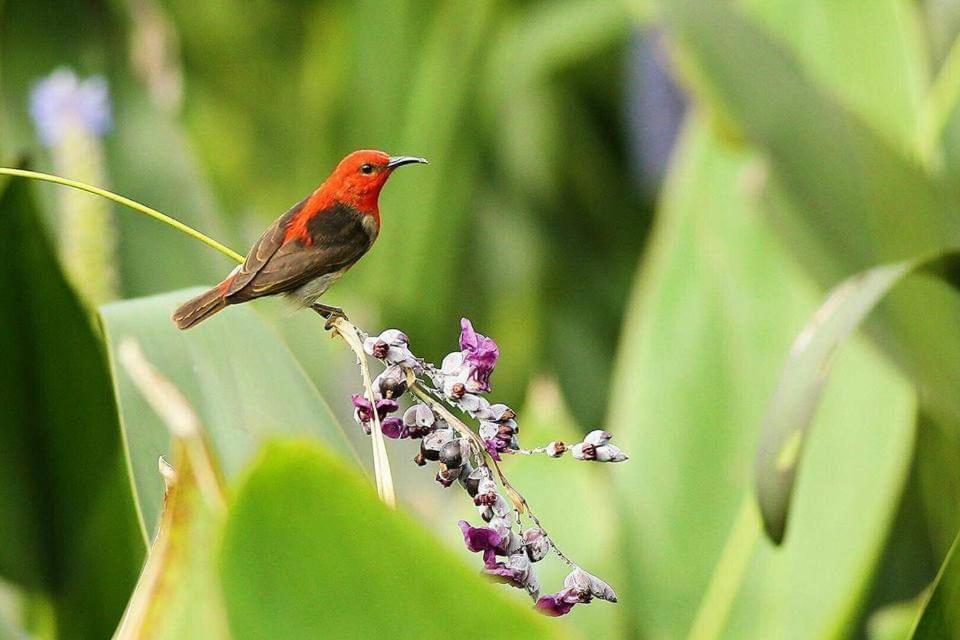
(381, 463)
(127, 202)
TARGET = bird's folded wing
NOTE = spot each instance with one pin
(338, 240)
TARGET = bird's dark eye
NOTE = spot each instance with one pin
(366, 168)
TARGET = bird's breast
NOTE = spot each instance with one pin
(309, 292)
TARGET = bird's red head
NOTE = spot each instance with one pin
(360, 176)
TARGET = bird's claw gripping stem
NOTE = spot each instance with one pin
(330, 313)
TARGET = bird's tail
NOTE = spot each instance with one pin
(200, 308)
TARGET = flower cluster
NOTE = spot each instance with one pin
(469, 458)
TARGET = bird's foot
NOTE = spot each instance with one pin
(330, 313)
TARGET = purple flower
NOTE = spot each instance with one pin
(480, 353)
(363, 411)
(557, 604)
(537, 544)
(419, 421)
(579, 588)
(60, 102)
(391, 346)
(481, 539)
(516, 571)
(394, 428)
(589, 586)
(493, 448)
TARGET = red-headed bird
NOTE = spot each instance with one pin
(310, 246)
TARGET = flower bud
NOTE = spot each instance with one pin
(556, 449)
(536, 543)
(584, 451)
(452, 454)
(428, 454)
(380, 350)
(391, 383)
(610, 453)
(597, 437)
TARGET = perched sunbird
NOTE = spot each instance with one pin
(310, 246)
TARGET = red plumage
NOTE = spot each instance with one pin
(311, 245)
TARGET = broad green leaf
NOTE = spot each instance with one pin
(63, 491)
(717, 283)
(871, 56)
(893, 622)
(178, 594)
(844, 199)
(236, 373)
(937, 462)
(309, 552)
(814, 143)
(798, 391)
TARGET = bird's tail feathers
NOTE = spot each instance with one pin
(200, 308)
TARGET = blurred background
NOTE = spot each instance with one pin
(643, 204)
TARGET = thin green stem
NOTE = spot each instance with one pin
(127, 202)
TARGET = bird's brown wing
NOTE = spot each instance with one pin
(339, 238)
(263, 249)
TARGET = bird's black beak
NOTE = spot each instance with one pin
(399, 161)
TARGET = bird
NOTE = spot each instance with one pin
(310, 246)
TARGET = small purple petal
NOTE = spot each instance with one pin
(363, 408)
(492, 447)
(386, 406)
(480, 538)
(480, 353)
(393, 428)
(502, 573)
(557, 604)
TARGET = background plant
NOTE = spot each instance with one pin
(819, 144)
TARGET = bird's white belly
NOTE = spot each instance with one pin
(311, 291)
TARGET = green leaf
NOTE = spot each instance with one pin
(795, 400)
(63, 490)
(844, 198)
(309, 552)
(178, 594)
(236, 373)
(872, 58)
(894, 621)
(940, 616)
(717, 283)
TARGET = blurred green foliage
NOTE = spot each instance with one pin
(823, 141)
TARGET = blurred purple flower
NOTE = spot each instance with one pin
(60, 102)
(655, 106)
